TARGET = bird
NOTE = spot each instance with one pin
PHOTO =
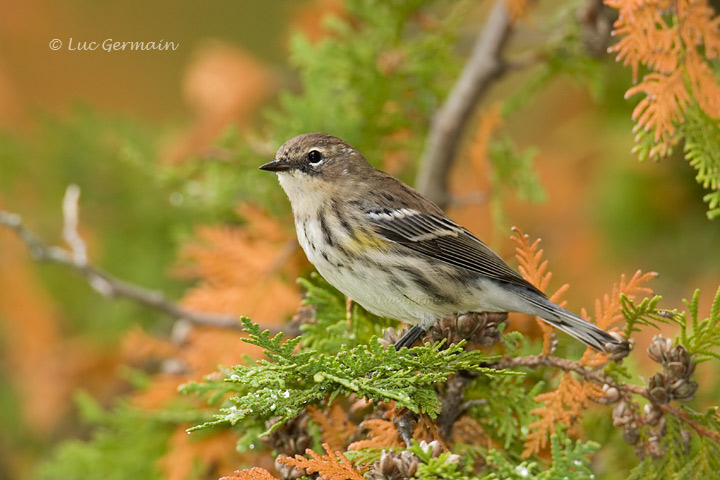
(396, 253)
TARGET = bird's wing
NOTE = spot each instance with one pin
(442, 239)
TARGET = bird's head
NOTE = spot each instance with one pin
(317, 155)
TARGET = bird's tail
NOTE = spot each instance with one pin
(576, 326)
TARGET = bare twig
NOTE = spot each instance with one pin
(485, 65)
(600, 378)
(103, 282)
(70, 227)
(566, 365)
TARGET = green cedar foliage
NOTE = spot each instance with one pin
(570, 459)
(683, 456)
(511, 395)
(702, 150)
(682, 452)
(280, 388)
(701, 136)
(701, 337)
(258, 398)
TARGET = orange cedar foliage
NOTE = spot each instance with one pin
(608, 311)
(704, 28)
(563, 406)
(137, 348)
(534, 269)
(240, 269)
(663, 106)
(336, 427)
(333, 466)
(161, 391)
(206, 348)
(642, 32)
(474, 213)
(566, 404)
(671, 48)
(254, 473)
(704, 84)
(383, 434)
(32, 341)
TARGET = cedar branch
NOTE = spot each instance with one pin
(600, 378)
(485, 66)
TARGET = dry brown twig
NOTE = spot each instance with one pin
(101, 281)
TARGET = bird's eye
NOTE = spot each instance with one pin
(314, 156)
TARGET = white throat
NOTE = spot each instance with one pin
(306, 193)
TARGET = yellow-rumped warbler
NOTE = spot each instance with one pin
(395, 252)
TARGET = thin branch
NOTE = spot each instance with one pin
(566, 365)
(676, 412)
(485, 65)
(600, 378)
(103, 282)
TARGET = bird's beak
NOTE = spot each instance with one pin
(275, 166)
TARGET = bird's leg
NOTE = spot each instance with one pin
(410, 337)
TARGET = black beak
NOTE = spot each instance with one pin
(275, 166)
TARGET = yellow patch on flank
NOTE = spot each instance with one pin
(365, 239)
